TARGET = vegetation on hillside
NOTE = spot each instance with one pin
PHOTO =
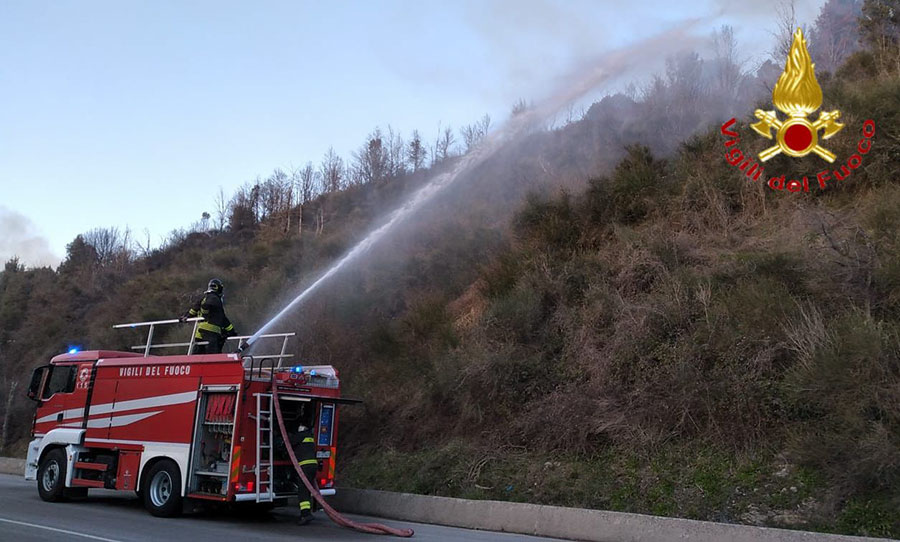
(668, 337)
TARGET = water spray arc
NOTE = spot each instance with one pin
(421, 196)
(612, 65)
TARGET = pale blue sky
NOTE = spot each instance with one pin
(116, 113)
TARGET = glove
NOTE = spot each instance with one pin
(242, 346)
(182, 318)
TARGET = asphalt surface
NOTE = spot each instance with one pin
(114, 516)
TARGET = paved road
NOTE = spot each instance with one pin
(114, 516)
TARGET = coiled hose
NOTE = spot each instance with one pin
(372, 528)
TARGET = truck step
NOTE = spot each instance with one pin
(91, 466)
(81, 482)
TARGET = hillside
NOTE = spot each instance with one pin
(674, 340)
(602, 316)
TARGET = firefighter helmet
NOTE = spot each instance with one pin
(215, 285)
(302, 428)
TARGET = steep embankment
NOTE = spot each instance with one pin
(674, 340)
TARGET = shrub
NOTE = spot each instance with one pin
(845, 395)
(551, 224)
(635, 182)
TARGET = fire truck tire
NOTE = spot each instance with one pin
(162, 489)
(51, 476)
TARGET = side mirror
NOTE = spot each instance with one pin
(38, 378)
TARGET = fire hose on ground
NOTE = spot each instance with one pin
(372, 528)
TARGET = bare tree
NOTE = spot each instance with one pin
(304, 180)
(242, 209)
(332, 169)
(729, 80)
(395, 163)
(105, 241)
(320, 220)
(112, 246)
(144, 249)
(274, 194)
(475, 132)
(443, 145)
(370, 162)
(879, 26)
(728, 68)
(221, 209)
(519, 107)
(835, 34)
(308, 177)
(416, 153)
(785, 26)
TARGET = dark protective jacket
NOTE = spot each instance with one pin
(212, 309)
(304, 446)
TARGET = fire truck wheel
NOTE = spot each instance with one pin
(51, 478)
(162, 489)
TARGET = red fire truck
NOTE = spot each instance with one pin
(177, 427)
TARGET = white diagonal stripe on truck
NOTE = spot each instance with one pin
(115, 421)
(121, 406)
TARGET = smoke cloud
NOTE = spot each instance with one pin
(19, 236)
(526, 40)
(586, 78)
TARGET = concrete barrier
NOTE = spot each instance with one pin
(559, 522)
(12, 465)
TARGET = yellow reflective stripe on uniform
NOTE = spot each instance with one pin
(305, 505)
(192, 312)
(230, 327)
(308, 462)
(308, 439)
(209, 327)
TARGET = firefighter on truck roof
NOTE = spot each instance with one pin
(216, 327)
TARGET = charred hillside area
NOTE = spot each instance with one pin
(606, 314)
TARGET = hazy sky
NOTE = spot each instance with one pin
(127, 113)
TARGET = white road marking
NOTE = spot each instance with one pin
(73, 533)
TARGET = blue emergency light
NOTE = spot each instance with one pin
(297, 368)
(73, 350)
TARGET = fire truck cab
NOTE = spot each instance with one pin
(177, 427)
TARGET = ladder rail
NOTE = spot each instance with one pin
(194, 342)
(152, 327)
(264, 451)
(284, 340)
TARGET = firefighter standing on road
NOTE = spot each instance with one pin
(304, 446)
(216, 327)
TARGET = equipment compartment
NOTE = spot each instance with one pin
(211, 459)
